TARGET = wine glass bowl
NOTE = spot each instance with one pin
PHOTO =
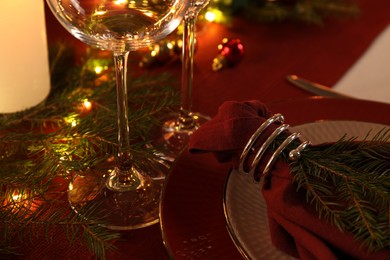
(125, 197)
(119, 25)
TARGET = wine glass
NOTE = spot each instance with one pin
(126, 197)
(177, 130)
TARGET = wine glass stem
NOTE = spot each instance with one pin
(124, 158)
(187, 64)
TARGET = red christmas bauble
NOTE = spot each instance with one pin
(231, 51)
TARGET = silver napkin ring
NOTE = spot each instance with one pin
(293, 155)
(256, 134)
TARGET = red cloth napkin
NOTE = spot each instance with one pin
(294, 224)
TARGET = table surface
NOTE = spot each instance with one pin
(272, 51)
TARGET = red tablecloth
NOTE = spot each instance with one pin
(321, 53)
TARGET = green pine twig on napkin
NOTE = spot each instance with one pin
(349, 184)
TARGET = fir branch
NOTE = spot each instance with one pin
(25, 224)
(348, 183)
(311, 12)
(42, 147)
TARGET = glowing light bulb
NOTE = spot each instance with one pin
(170, 45)
(215, 15)
(22, 202)
(87, 105)
(120, 2)
(72, 120)
(17, 197)
(210, 16)
(99, 69)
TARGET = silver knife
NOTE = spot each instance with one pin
(314, 88)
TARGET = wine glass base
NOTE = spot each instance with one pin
(136, 207)
(175, 136)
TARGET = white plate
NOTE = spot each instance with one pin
(244, 206)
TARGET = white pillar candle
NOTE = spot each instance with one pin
(24, 65)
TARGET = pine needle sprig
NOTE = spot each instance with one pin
(41, 148)
(310, 12)
(348, 183)
(52, 218)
